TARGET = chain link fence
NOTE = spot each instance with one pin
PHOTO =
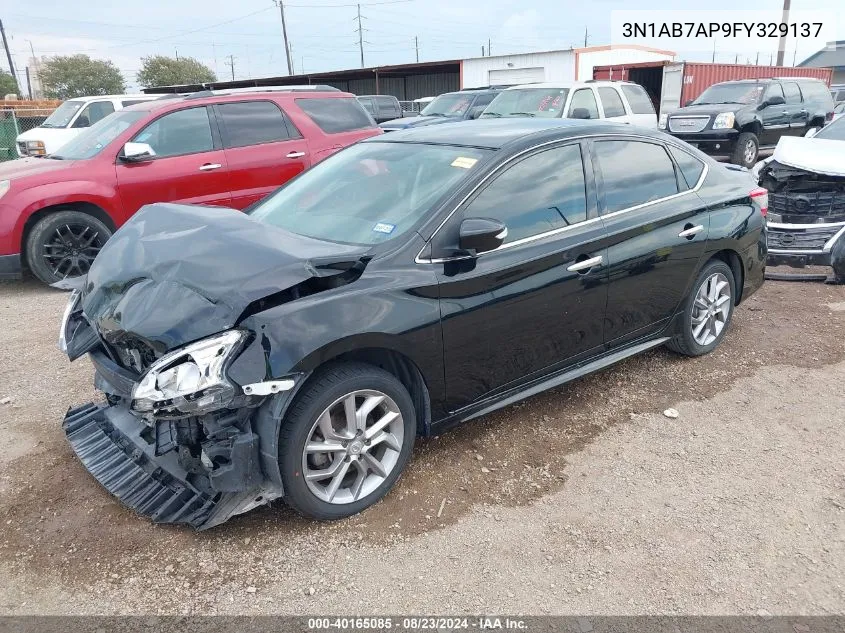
(15, 120)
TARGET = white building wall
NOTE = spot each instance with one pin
(588, 58)
(555, 66)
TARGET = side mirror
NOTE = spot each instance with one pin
(475, 112)
(137, 152)
(580, 113)
(773, 101)
(81, 121)
(812, 132)
(479, 235)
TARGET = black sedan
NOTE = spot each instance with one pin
(404, 285)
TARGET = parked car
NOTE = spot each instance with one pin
(211, 148)
(406, 284)
(736, 119)
(381, 107)
(69, 119)
(837, 92)
(806, 182)
(621, 102)
(447, 108)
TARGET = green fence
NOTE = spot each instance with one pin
(9, 131)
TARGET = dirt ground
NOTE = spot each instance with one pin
(585, 499)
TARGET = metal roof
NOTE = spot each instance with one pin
(827, 57)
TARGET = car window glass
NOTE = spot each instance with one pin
(182, 132)
(584, 100)
(368, 105)
(385, 102)
(612, 102)
(633, 173)
(791, 92)
(92, 113)
(638, 99)
(535, 102)
(336, 114)
(252, 123)
(775, 91)
(483, 100)
(690, 166)
(540, 193)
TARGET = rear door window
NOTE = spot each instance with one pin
(638, 99)
(612, 102)
(253, 123)
(634, 173)
(334, 115)
(791, 92)
(583, 103)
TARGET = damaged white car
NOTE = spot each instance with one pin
(805, 178)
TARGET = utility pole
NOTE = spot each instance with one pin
(28, 83)
(714, 51)
(417, 46)
(782, 39)
(360, 36)
(231, 64)
(8, 53)
(757, 59)
(177, 54)
(489, 47)
(482, 50)
(586, 36)
(281, 6)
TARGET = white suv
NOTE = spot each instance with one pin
(69, 119)
(620, 101)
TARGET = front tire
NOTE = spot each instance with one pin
(64, 244)
(707, 311)
(746, 151)
(345, 440)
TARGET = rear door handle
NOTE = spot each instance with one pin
(295, 154)
(691, 231)
(210, 166)
(585, 264)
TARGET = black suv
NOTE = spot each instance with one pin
(448, 107)
(736, 119)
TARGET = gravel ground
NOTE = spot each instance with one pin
(585, 499)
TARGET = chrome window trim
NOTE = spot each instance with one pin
(439, 260)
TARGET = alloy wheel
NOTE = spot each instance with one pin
(70, 250)
(711, 309)
(750, 152)
(353, 446)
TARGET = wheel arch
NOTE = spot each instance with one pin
(733, 260)
(89, 208)
(755, 126)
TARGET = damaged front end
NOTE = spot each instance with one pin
(806, 218)
(188, 432)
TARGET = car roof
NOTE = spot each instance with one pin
(97, 97)
(569, 84)
(171, 100)
(496, 133)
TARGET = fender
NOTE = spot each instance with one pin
(69, 192)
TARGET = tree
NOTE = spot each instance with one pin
(160, 70)
(69, 76)
(8, 85)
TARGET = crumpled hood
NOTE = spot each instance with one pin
(819, 155)
(177, 273)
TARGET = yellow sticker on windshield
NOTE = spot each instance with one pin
(464, 162)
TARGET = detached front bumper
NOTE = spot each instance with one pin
(800, 245)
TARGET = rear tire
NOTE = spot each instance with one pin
(63, 245)
(360, 464)
(707, 311)
(746, 151)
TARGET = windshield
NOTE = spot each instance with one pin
(448, 105)
(833, 131)
(731, 93)
(63, 114)
(93, 139)
(537, 102)
(368, 193)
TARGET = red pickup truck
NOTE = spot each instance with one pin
(212, 148)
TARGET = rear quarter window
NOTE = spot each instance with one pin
(638, 99)
(816, 91)
(335, 115)
(691, 168)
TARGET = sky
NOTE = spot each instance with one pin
(323, 32)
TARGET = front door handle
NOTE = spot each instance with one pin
(295, 154)
(210, 166)
(585, 264)
(785, 112)
(691, 231)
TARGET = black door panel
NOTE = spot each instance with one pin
(514, 312)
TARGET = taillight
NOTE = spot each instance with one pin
(760, 198)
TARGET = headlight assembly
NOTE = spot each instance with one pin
(35, 148)
(70, 308)
(724, 121)
(190, 380)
